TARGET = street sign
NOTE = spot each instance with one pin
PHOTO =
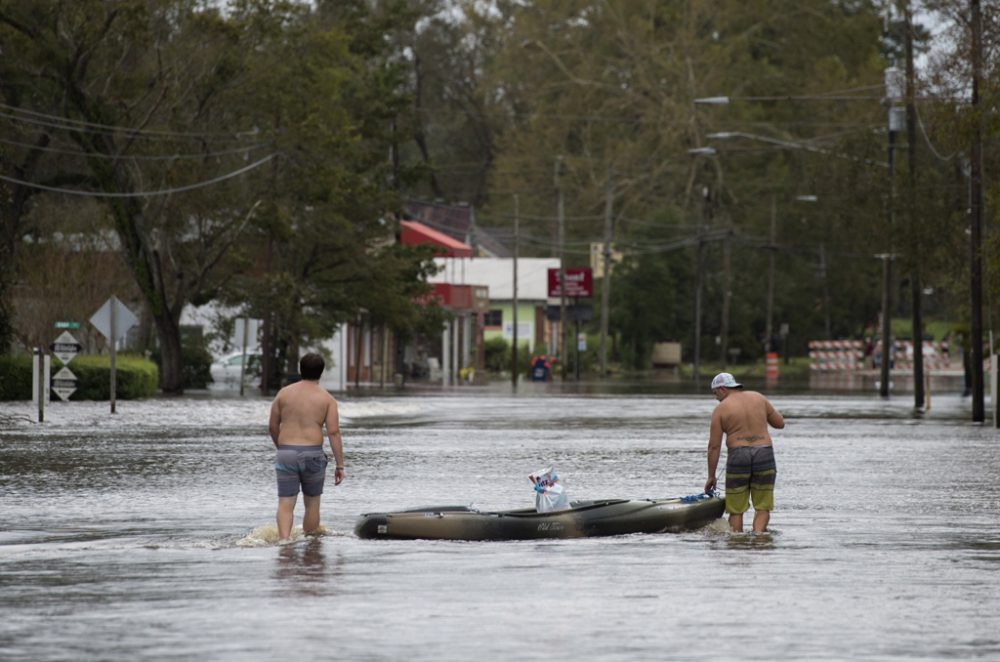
(65, 347)
(579, 282)
(64, 383)
(113, 320)
(67, 325)
(125, 319)
(578, 312)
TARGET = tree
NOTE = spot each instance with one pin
(133, 94)
(322, 251)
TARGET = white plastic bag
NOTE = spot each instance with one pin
(550, 496)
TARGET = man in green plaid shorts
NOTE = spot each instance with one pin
(743, 416)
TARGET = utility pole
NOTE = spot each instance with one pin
(606, 280)
(727, 294)
(976, 222)
(894, 125)
(823, 274)
(700, 285)
(769, 317)
(887, 258)
(514, 303)
(916, 286)
(562, 348)
(473, 239)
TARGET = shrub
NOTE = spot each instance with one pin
(136, 377)
(498, 356)
(15, 377)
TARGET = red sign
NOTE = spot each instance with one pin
(579, 282)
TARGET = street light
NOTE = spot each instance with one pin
(696, 367)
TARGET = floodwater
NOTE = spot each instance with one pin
(145, 534)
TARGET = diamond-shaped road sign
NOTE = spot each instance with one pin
(64, 383)
(125, 319)
(65, 347)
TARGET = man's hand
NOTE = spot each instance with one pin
(709, 484)
(338, 475)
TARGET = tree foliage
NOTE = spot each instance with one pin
(236, 152)
(330, 113)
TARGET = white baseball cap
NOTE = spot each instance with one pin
(724, 379)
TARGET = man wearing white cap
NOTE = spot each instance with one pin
(750, 468)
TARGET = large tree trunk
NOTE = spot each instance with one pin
(144, 263)
(171, 363)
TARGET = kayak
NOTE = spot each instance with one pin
(603, 517)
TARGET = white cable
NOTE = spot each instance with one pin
(927, 139)
(57, 122)
(140, 194)
(138, 157)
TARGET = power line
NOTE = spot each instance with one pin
(140, 194)
(139, 157)
(67, 124)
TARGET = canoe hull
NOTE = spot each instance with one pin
(608, 517)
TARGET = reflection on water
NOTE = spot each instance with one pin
(139, 536)
(751, 540)
(302, 567)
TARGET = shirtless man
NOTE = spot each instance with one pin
(750, 469)
(298, 414)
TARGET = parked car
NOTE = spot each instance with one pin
(226, 371)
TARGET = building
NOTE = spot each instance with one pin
(497, 274)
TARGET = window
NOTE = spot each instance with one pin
(493, 318)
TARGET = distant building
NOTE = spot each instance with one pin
(457, 222)
(497, 274)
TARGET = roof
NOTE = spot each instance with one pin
(458, 222)
(498, 274)
(413, 233)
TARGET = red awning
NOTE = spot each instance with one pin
(414, 233)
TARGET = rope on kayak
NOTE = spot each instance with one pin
(693, 498)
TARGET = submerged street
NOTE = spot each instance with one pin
(145, 535)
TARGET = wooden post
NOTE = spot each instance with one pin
(606, 279)
(514, 301)
(114, 344)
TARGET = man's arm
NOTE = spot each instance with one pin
(714, 448)
(336, 443)
(774, 418)
(274, 423)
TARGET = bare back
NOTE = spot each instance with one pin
(744, 417)
(299, 412)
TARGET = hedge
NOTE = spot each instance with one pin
(136, 377)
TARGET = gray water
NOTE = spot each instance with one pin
(139, 535)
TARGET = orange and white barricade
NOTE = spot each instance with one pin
(835, 355)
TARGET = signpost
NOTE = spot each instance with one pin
(579, 285)
(65, 349)
(41, 365)
(113, 320)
